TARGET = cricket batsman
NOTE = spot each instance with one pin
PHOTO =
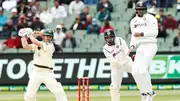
(43, 64)
(116, 52)
(144, 29)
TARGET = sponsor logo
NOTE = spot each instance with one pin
(165, 67)
(15, 69)
(92, 68)
(140, 25)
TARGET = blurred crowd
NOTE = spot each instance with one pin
(30, 13)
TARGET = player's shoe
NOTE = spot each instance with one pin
(143, 97)
(150, 96)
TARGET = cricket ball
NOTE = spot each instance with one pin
(133, 57)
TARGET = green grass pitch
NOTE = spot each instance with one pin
(162, 95)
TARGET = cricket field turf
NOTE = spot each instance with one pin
(161, 95)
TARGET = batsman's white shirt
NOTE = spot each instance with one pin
(146, 24)
(117, 52)
(43, 56)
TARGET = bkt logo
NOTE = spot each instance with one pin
(139, 25)
(165, 67)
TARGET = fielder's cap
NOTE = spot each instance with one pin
(14, 10)
(59, 26)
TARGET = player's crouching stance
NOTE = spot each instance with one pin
(43, 64)
(116, 51)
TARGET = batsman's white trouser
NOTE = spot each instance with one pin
(116, 79)
(39, 76)
(144, 55)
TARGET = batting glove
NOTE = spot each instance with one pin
(29, 32)
(22, 32)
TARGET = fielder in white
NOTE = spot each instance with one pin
(116, 51)
(144, 29)
(43, 64)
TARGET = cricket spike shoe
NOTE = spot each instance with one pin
(150, 96)
(143, 97)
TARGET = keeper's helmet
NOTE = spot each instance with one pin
(109, 37)
(141, 8)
